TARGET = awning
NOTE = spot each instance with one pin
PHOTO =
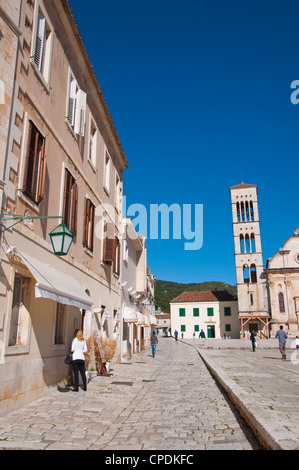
(55, 285)
(153, 320)
(130, 315)
(141, 318)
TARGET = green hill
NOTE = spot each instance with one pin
(167, 291)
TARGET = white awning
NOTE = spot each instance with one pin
(153, 320)
(130, 314)
(141, 318)
(55, 285)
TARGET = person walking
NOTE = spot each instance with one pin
(203, 337)
(253, 340)
(78, 349)
(176, 335)
(282, 341)
(154, 342)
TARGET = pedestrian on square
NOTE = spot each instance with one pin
(282, 341)
(78, 349)
(253, 340)
(297, 342)
(203, 337)
(176, 335)
(154, 342)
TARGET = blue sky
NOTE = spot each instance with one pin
(199, 92)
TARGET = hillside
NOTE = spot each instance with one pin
(167, 291)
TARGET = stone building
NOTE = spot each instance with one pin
(214, 312)
(60, 157)
(251, 279)
(267, 297)
(282, 271)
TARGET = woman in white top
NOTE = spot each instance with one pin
(78, 349)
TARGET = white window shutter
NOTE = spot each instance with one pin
(40, 41)
(80, 113)
(71, 103)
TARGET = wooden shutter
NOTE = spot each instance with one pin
(86, 222)
(30, 159)
(88, 230)
(80, 112)
(40, 41)
(34, 175)
(66, 197)
(73, 222)
(41, 170)
(71, 102)
(109, 243)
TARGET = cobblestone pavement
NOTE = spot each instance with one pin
(269, 381)
(165, 403)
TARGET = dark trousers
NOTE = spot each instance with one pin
(79, 365)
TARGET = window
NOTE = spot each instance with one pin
(228, 328)
(242, 244)
(20, 317)
(116, 258)
(182, 312)
(107, 171)
(210, 312)
(253, 273)
(246, 274)
(183, 328)
(252, 238)
(251, 212)
(43, 46)
(109, 242)
(196, 312)
(88, 228)
(92, 153)
(227, 311)
(251, 299)
(76, 107)
(196, 328)
(59, 324)
(281, 302)
(33, 185)
(70, 202)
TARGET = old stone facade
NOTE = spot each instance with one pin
(60, 157)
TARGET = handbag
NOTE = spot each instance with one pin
(69, 359)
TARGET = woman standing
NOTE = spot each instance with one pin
(78, 349)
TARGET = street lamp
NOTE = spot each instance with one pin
(61, 239)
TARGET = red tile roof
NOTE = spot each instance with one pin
(204, 296)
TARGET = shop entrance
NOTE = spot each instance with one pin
(211, 331)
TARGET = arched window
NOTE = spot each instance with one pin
(253, 273)
(253, 248)
(281, 302)
(247, 243)
(247, 211)
(242, 244)
(251, 212)
(238, 212)
(246, 274)
(243, 211)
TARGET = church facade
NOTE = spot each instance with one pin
(267, 297)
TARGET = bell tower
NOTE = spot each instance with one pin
(251, 279)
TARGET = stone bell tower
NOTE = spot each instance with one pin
(251, 279)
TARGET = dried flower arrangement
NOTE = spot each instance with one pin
(109, 346)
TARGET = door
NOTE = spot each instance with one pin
(211, 331)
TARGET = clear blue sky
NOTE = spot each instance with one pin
(199, 92)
